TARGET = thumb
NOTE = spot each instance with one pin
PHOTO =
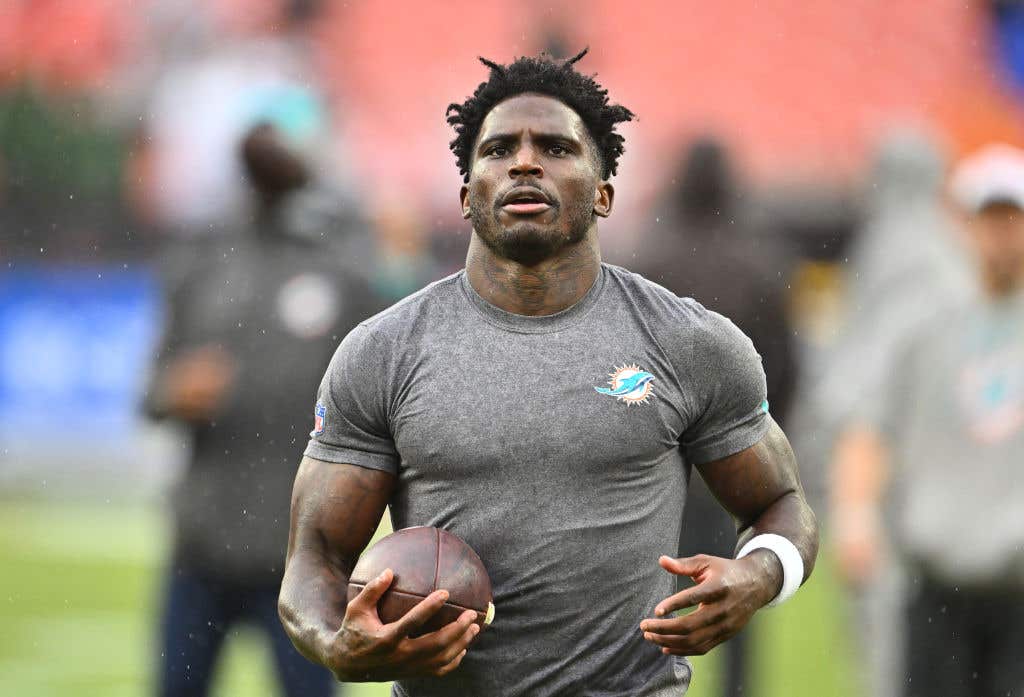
(366, 601)
(686, 566)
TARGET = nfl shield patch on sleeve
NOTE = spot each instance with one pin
(319, 416)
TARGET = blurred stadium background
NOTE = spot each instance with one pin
(117, 127)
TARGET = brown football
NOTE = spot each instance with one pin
(425, 560)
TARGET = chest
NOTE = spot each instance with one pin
(976, 384)
(538, 406)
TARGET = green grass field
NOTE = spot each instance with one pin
(79, 585)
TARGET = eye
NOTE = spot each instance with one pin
(558, 150)
(496, 151)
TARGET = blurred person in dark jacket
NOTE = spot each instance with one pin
(705, 249)
(251, 325)
(932, 459)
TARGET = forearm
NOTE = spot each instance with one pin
(335, 509)
(312, 603)
(761, 487)
(792, 518)
(859, 477)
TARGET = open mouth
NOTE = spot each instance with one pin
(524, 200)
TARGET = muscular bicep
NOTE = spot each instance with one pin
(336, 509)
(750, 482)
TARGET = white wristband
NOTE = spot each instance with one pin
(789, 556)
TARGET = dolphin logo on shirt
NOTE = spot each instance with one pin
(629, 384)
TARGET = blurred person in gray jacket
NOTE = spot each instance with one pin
(251, 325)
(705, 249)
(940, 437)
(905, 259)
(905, 266)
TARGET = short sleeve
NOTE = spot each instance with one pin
(729, 391)
(350, 422)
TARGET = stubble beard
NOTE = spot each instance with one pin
(526, 242)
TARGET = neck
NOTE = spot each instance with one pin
(268, 203)
(1001, 278)
(1000, 288)
(541, 288)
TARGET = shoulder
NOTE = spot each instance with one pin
(645, 293)
(384, 345)
(193, 263)
(671, 315)
(928, 334)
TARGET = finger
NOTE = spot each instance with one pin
(706, 616)
(686, 566)
(458, 647)
(696, 644)
(366, 600)
(444, 670)
(429, 645)
(698, 650)
(431, 658)
(669, 641)
(691, 597)
(682, 641)
(418, 615)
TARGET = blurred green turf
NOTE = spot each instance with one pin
(79, 584)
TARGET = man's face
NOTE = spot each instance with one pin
(997, 232)
(535, 183)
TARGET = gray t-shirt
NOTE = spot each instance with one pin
(559, 448)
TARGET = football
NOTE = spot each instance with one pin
(423, 560)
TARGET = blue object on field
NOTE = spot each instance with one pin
(75, 346)
(1008, 32)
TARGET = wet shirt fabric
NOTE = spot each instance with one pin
(559, 448)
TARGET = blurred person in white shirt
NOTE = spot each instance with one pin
(929, 467)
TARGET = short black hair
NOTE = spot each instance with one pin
(542, 75)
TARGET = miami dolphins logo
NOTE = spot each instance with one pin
(629, 384)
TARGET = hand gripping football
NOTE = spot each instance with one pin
(424, 560)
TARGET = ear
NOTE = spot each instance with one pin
(464, 200)
(604, 197)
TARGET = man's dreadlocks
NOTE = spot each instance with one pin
(545, 76)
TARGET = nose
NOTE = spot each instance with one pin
(526, 164)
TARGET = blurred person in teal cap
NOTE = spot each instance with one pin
(252, 322)
(940, 441)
